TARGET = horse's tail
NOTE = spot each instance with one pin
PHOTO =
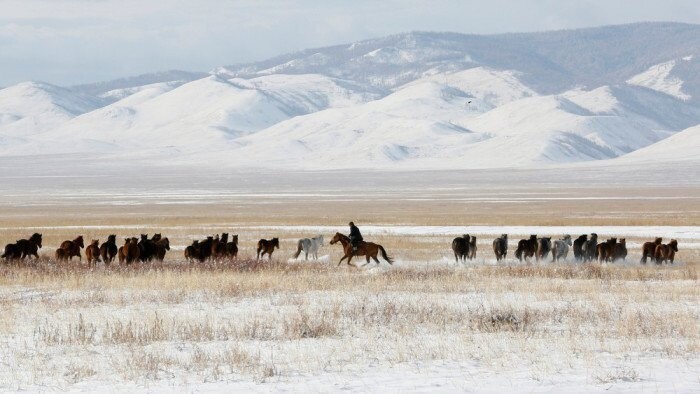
(384, 255)
(519, 253)
(300, 247)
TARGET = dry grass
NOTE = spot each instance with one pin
(270, 320)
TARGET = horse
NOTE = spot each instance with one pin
(192, 251)
(649, 249)
(204, 250)
(472, 248)
(92, 252)
(544, 246)
(70, 248)
(147, 247)
(121, 253)
(590, 247)
(560, 248)
(218, 247)
(309, 245)
(267, 246)
(666, 252)
(619, 251)
(364, 248)
(605, 250)
(500, 247)
(460, 247)
(23, 248)
(132, 250)
(579, 244)
(231, 249)
(161, 246)
(526, 248)
(109, 249)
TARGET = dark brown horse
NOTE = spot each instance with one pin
(92, 252)
(590, 247)
(666, 252)
(132, 251)
(218, 247)
(109, 249)
(500, 247)
(161, 246)
(460, 247)
(68, 249)
(367, 249)
(192, 251)
(605, 250)
(649, 249)
(123, 250)
(526, 248)
(268, 247)
(620, 250)
(579, 244)
(544, 246)
(231, 250)
(23, 248)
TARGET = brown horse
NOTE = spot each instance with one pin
(472, 247)
(162, 246)
(231, 250)
(367, 249)
(268, 247)
(92, 252)
(605, 251)
(109, 249)
(619, 250)
(544, 246)
(23, 248)
(132, 251)
(500, 247)
(192, 251)
(70, 248)
(649, 249)
(460, 247)
(121, 253)
(666, 252)
(526, 248)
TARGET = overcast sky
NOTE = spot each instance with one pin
(77, 41)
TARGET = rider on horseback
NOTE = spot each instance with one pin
(355, 236)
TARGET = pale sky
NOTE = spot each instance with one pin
(78, 41)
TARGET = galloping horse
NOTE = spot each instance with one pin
(460, 247)
(666, 252)
(526, 248)
(649, 249)
(109, 249)
(367, 249)
(309, 245)
(23, 248)
(68, 249)
(500, 247)
(560, 248)
(579, 244)
(268, 247)
(92, 252)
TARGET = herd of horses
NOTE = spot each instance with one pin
(585, 248)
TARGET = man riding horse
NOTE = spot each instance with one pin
(355, 236)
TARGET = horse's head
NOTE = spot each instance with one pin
(95, 242)
(126, 241)
(112, 238)
(79, 241)
(594, 236)
(533, 236)
(134, 240)
(466, 236)
(622, 241)
(36, 238)
(276, 242)
(320, 240)
(658, 241)
(166, 243)
(336, 238)
(473, 239)
(504, 236)
(144, 237)
(673, 244)
(156, 237)
(234, 239)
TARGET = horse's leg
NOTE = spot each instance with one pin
(376, 260)
(349, 263)
(341, 259)
(306, 255)
(367, 258)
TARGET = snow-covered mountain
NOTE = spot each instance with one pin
(415, 100)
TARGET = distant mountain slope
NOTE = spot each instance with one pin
(415, 100)
(682, 146)
(551, 62)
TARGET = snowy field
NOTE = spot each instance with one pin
(424, 324)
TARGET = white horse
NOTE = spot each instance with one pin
(309, 245)
(560, 248)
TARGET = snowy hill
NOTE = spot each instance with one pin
(415, 100)
(682, 146)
